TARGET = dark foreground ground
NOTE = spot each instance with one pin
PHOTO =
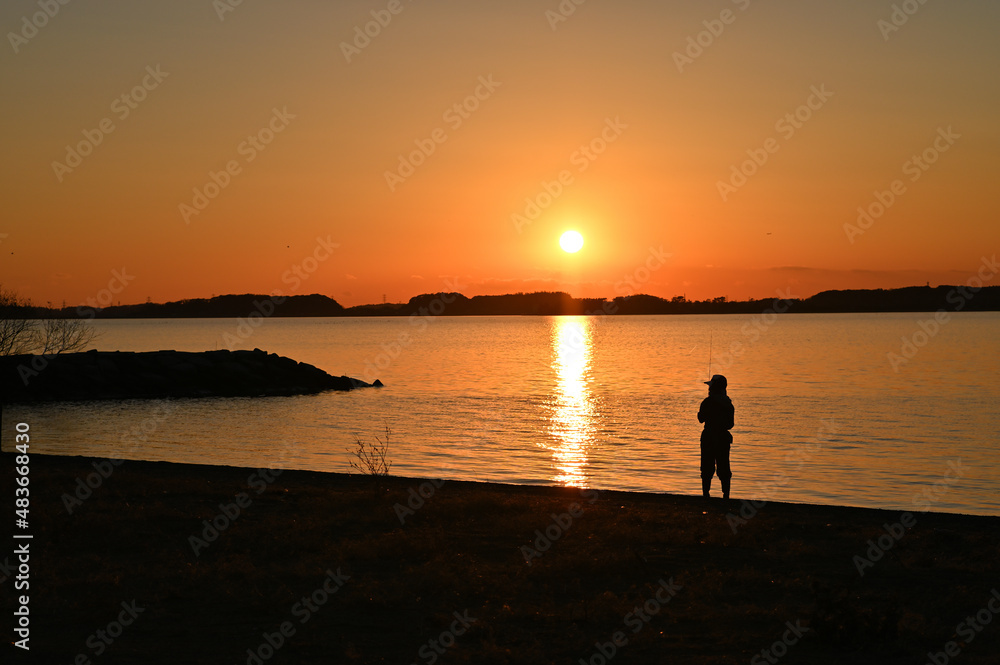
(667, 574)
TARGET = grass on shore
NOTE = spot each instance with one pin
(461, 551)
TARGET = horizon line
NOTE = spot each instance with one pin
(278, 294)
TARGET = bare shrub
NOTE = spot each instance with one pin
(369, 458)
(22, 332)
(65, 335)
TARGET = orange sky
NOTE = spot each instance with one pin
(605, 100)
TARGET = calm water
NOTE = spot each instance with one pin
(821, 414)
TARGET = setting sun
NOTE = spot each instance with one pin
(571, 242)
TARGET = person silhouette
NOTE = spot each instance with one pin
(717, 413)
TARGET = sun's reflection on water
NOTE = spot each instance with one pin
(571, 422)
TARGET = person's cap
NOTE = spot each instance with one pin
(718, 381)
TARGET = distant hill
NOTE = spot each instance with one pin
(908, 299)
(224, 307)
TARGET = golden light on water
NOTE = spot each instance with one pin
(572, 420)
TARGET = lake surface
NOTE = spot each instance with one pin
(822, 414)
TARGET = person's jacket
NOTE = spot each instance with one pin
(717, 413)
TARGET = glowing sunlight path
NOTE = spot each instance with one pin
(572, 422)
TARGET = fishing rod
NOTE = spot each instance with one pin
(710, 335)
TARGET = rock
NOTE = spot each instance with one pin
(160, 374)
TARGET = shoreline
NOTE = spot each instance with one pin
(500, 484)
(222, 555)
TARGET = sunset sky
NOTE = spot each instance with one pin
(633, 127)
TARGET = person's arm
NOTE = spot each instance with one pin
(732, 416)
(701, 411)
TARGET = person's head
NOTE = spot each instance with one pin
(717, 385)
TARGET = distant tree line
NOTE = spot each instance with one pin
(908, 299)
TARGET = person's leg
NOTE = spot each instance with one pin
(725, 473)
(707, 467)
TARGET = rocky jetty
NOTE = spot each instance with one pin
(160, 374)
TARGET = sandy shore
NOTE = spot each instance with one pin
(175, 563)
